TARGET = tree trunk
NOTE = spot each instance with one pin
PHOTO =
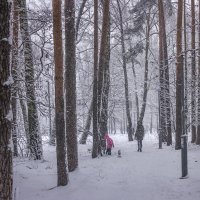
(95, 84)
(6, 174)
(198, 109)
(62, 173)
(14, 73)
(129, 128)
(179, 77)
(87, 126)
(163, 131)
(166, 75)
(106, 86)
(143, 108)
(35, 137)
(136, 90)
(185, 73)
(193, 78)
(70, 85)
(80, 13)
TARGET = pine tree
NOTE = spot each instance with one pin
(59, 97)
(6, 176)
(70, 85)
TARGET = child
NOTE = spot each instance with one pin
(109, 144)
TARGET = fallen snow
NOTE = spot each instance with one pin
(153, 174)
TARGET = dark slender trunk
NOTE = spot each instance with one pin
(6, 173)
(143, 108)
(70, 85)
(129, 128)
(193, 79)
(95, 84)
(185, 72)
(198, 108)
(179, 77)
(80, 13)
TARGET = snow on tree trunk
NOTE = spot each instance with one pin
(70, 85)
(6, 176)
(14, 73)
(34, 133)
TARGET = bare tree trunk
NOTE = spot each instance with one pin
(163, 131)
(35, 137)
(142, 112)
(179, 77)
(70, 85)
(25, 119)
(80, 13)
(193, 78)
(185, 73)
(6, 174)
(62, 173)
(198, 108)
(95, 84)
(129, 128)
(136, 92)
(106, 86)
(14, 73)
(87, 125)
(166, 75)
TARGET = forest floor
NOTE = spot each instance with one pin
(153, 174)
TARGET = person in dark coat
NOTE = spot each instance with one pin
(139, 135)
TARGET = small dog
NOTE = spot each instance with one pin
(119, 154)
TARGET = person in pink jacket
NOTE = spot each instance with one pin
(109, 144)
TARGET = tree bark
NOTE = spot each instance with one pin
(87, 125)
(95, 84)
(193, 78)
(198, 108)
(70, 85)
(179, 77)
(129, 128)
(6, 176)
(35, 137)
(143, 108)
(14, 73)
(62, 172)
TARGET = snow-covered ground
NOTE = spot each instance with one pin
(153, 174)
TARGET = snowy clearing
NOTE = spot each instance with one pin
(152, 174)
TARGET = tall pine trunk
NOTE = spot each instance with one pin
(62, 172)
(193, 78)
(185, 73)
(6, 176)
(162, 105)
(179, 77)
(106, 85)
(129, 127)
(35, 137)
(198, 108)
(14, 73)
(70, 85)
(95, 84)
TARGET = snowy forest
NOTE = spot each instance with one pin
(99, 99)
